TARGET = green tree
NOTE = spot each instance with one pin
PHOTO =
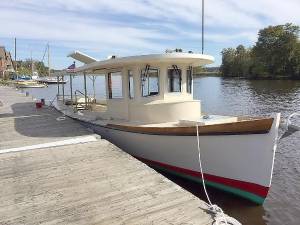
(275, 54)
(228, 57)
(236, 62)
(275, 48)
(24, 67)
(41, 68)
(294, 64)
(198, 70)
(243, 61)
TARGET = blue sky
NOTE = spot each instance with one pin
(129, 27)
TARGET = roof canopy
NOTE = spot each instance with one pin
(173, 58)
(82, 57)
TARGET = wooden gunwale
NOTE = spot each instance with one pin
(251, 126)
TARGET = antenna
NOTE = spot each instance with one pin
(202, 26)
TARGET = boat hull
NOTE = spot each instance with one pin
(54, 82)
(32, 86)
(240, 164)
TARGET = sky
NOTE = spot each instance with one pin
(130, 27)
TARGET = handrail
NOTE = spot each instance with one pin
(87, 102)
(79, 92)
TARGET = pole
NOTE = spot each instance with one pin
(16, 66)
(31, 63)
(109, 85)
(71, 88)
(48, 60)
(202, 26)
(16, 54)
(85, 91)
(57, 87)
(63, 88)
(94, 89)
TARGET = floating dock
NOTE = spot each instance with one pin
(54, 171)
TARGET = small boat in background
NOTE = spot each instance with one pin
(29, 84)
(21, 77)
(51, 80)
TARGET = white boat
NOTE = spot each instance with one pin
(151, 114)
(29, 84)
(51, 80)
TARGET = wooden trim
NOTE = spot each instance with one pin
(253, 126)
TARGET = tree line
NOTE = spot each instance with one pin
(276, 54)
(25, 67)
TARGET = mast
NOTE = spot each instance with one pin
(202, 26)
(48, 59)
(31, 63)
(16, 54)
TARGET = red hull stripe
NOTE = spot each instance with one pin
(256, 189)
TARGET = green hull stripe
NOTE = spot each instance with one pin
(250, 196)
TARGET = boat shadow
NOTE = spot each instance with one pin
(244, 211)
(42, 122)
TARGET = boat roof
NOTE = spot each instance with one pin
(81, 57)
(192, 59)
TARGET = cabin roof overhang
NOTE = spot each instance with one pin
(172, 58)
(81, 57)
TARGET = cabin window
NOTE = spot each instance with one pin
(174, 79)
(150, 81)
(130, 84)
(189, 80)
(114, 85)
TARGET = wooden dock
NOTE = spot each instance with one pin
(45, 178)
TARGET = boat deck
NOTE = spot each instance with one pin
(83, 183)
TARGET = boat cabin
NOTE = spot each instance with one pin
(147, 89)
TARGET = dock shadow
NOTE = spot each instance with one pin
(44, 122)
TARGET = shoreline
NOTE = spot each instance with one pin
(245, 78)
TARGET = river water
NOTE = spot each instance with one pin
(241, 97)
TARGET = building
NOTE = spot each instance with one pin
(6, 64)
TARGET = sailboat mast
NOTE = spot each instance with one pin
(31, 63)
(16, 54)
(48, 60)
(202, 26)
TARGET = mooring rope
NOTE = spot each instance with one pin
(220, 217)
